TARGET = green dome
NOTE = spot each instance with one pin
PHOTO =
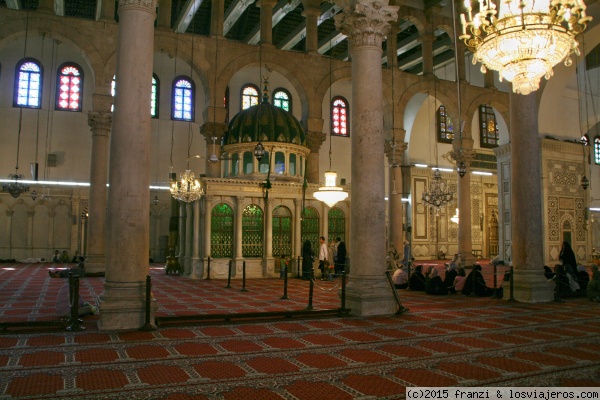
(266, 123)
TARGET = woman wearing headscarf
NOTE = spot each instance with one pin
(593, 287)
(451, 274)
(563, 287)
(583, 278)
(417, 279)
(433, 283)
(567, 256)
(474, 283)
(307, 260)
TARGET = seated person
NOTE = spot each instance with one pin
(417, 279)
(583, 278)
(64, 258)
(400, 278)
(77, 258)
(63, 304)
(77, 270)
(474, 283)
(434, 284)
(563, 287)
(593, 287)
(548, 272)
(451, 274)
(459, 281)
(56, 257)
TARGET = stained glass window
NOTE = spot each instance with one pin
(183, 99)
(154, 96)
(292, 164)
(235, 164)
(113, 91)
(70, 85)
(585, 140)
(248, 162)
(336, 224)
(252, 231)
(221, 231)
(28, 84)
(249, 96)
(311, 228)
(263, 164)
(282, 232)
(282, 99)
(445, 129)
(597, 150)
(488, 129)
(339, 116)
(279, 163)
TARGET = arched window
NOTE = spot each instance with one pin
(249, 96)
(311, 228)
(282, 99)
(336, 224)
(252, 231)
(221, 231)
(183, 99)
(445, 129)
(69, 87)
(339, 117)
(154, 95)
(28, 84)
(597, 150)
(279, 163)
(235, 164)
(113, 91)
(263, 164)
(292, 164)
(282, 232)
(585, 140)
(248, 163)
(488, 129)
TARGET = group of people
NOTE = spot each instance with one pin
(332, 258)
(571, 279)
(63, 257)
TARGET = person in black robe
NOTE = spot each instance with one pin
(340, 261)
(307, 260)
(548, 272)
(567, 256)
(417, 279)
(434, 284)
(563, 287)
(478, 287)
(451, 274)
(583, 278)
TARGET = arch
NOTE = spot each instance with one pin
(496, 99)
(221, 231)
(282, 231)
(183, 88)
(336, 220)
(282, 98)
(337, 74)
(252, 231)
(311, 227)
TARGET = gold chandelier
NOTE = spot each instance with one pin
(187, 188)
(525, 38)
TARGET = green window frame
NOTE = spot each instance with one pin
(221, 231)
(252, 231)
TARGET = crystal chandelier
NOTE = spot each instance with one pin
(15, 188)
(438, 193)
(525, 39)
(187, 188)
(330, 193)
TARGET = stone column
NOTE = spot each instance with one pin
(530, 285)
(297, 252)
(427, 52)
(266, 20)
(392, 47)
(269, 265)
(100, 124)
(189, 213)
(314, 142)
(311, 14)
(460, 59)
(164, 14)
(395, 208)
(488, 79)
(239, 216)
(210, 130)
(366, 24)
(207, 227)
(465, 243)
(217, 14)
(107, 11)
(123, 302)
(197, 271)
(182, 239)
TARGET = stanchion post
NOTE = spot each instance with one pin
(299, 268)
(147, 325)
(74, 322)
(285, 283)
(512, 284)
(409, 264)
(343, 305)
(495, 281)
(311, 287)
(229, 275)
(208, 269)
(243, 277)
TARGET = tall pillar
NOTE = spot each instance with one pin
(366, 22)
(100, 124)
(460, 59)
(530, 285)
(239, 217)
(392, 47)
(311, 14)
(395, 208)
(197, 271)
(189, 219)
(314, 141)
(210, 130)
(427, 52)
(297, 251)
(207, 227)
(268, 237)
(217, 15)
(163, 19)
(107, 11)
(465, 241)
(266, 20)
(123, 303)
(182, 231)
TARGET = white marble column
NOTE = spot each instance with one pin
(182, 239)
(530, 285)
(189, 216)
(266, 20)
(395, 207)
(465, 241)
(239, 217)
(269, 265)
(207, 229)
(95, 258)
(366, 24)
(123, 302)
(197, 270)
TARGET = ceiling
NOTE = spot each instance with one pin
(242, 23)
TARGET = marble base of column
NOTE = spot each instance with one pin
(123, 306)
(187, 266)
(372, 296)
(197, 268)
(530, 286)
(268, 267)
(95, 263)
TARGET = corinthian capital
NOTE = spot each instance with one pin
(365, 22)
(100, 122)
(147, 5)
(314, 140)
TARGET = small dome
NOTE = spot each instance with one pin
(266, 123)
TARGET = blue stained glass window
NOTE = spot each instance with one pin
(28, 84)
(183, 99)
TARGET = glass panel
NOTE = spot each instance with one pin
(154, 99)
(282, 232)
(339, 117)
(249, 97)
(336, 224)
(597, 150)
(279, 163)
(248, 160)
(292, 164)
(263, 166)
(182, 100)
(28, 85)
(221, 232)
(235, 164)
(311, 228)
(281, 100)
(252, 231)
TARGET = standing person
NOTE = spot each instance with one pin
(567, 256)
(307, 260)
(340, 264)
(323, 260)
(406, 253)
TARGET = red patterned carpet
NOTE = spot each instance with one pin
(442, 341)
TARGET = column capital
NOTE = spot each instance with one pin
(100, 122)
(426, 38)
(315, 140)
(142, 5)
(365, 22)
(311, 12)
(213, 129)
(394, 152)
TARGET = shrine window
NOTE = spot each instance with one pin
(488, 129)
(69, 87)
(221, 231)
(28, 84)
(445, 128)
(252, 231)
(249, 96)
(311, 228)
(282, 99)
(336, 224)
